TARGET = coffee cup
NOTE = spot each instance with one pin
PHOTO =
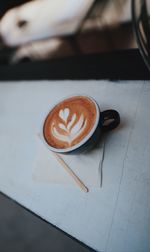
(75, 124)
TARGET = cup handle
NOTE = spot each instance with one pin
(110, 119)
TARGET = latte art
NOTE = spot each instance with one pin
(69, 122)
(71, 130)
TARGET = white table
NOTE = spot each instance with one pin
(113, 219)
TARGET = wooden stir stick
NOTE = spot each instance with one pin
(71, 172)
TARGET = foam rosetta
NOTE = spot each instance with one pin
(64, 113)
(69, 122)
(71, 130)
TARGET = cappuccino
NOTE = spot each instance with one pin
(69, 122)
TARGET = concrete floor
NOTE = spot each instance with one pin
(21, 231)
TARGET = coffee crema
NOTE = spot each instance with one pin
(69, 122)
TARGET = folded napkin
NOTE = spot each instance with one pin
(86, 166)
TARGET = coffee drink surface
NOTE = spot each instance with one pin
(69, 122)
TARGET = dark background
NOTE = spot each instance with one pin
(21, 231)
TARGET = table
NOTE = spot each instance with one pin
(113, 219)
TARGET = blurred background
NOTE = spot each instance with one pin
(105, 27)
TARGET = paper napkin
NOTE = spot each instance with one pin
(86, 166)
